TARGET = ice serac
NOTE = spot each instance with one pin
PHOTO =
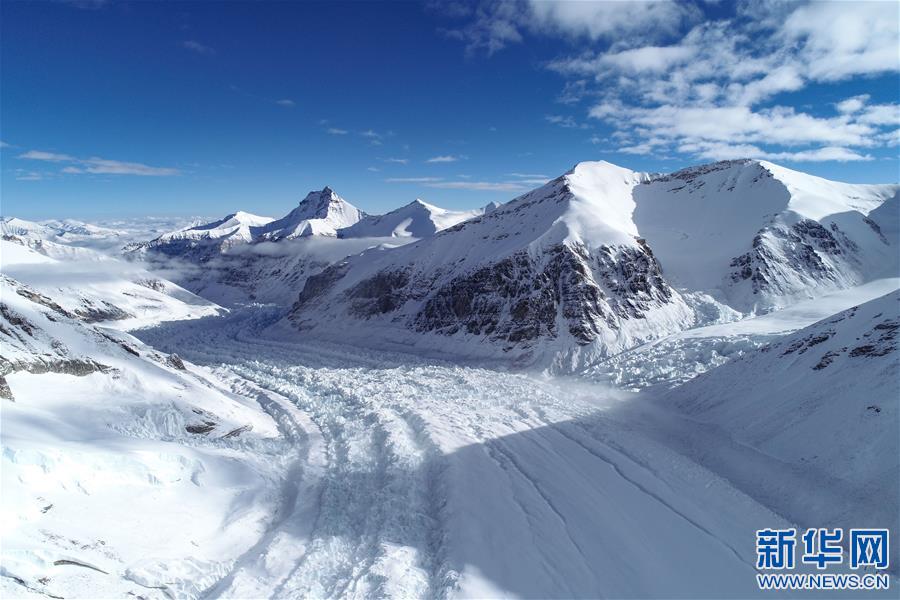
(320, 213)
(557, 276)
(761, 236)
(418, 219)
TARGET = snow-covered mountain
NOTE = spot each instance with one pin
(761, 237)
(418, 219)
(236, 227)
(603, 258)
(247, 258)
(821, 407)
(320, 213)
(96, 288)
(559, 273)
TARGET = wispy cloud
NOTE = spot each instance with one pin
(195, 46)
(565, 121)
(97, 165)
(286, 102)
(412, 179)
(337, 131)
(47, 156)
(528, 176)
(462, 183)
(446, 158)
(481, 186)
(399, 161)
(23, 175)
(373, 169)
(495, 25)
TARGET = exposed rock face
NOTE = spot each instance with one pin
(786, 260)
(568, 295)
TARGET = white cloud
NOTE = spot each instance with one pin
(564, 121)
(286, 102)
(710, 92)
(528, 175)
(3, 144)
(47, 156)
(649, 59)
(373, 169)
(399, 161)
(199, 48)
(842, 39)
(445, 158)
(504, 186)
(880, 114)
(412, 179)
(99, 165)
(852, 104)
(495, 24)
(117, 167)
(725, 151)
(337, 131)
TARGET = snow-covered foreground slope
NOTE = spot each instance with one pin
(98, 288)
(125, 471)
(442, 480)
(806, 425)
(824, 401)
(397, 476)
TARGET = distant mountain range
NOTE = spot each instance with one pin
(592, 263)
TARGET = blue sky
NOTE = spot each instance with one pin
(118, 109)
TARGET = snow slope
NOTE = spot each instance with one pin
(440, 480)
(97, 288)
(418, 219)
(125, 471)
(826, 402)
(234, 228)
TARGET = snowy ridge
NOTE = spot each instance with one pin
(418, 219)
(98, 288)
(238, 225)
